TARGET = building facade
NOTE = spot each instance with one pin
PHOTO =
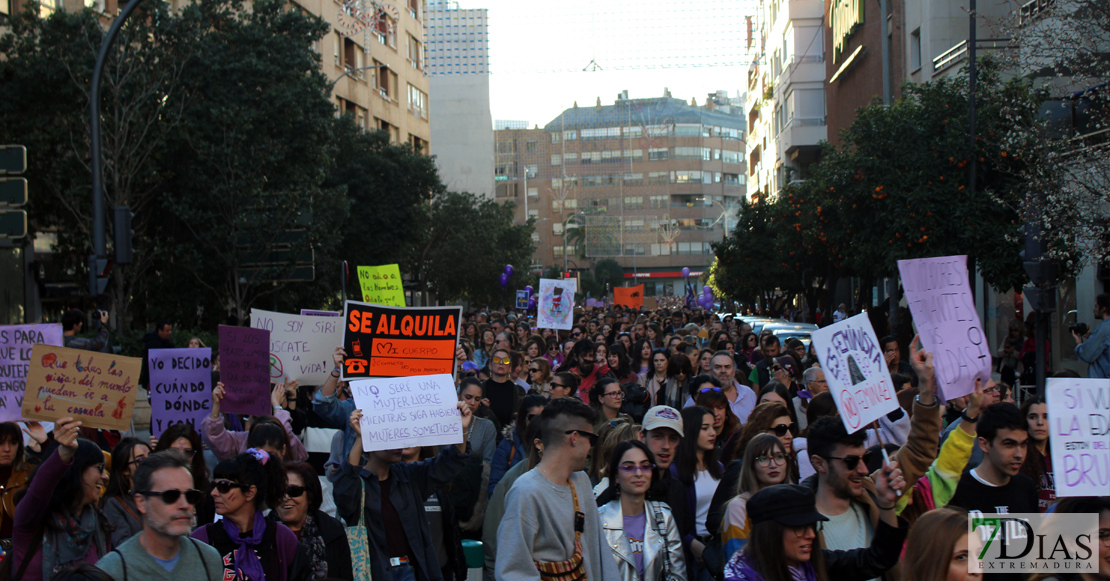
(785, 106)
(650, 183)
(458, 74)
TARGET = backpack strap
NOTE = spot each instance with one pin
(122, 562)
(207, 575)
(661, 528)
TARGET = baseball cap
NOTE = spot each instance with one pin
(662, 416)
(787, 504)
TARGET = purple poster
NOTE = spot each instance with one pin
(180, 387)
(245, 370)
(16, 342)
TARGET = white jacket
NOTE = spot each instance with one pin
(657, 549)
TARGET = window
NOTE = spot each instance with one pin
(556, 206)
(634, 154)
(558, 251)
(384, 85)
(535, 237)
(634, 179)
(506, 146)
(915, 50)
(591, 156)
(659, 201)
(634, 203)
(554, 138)
(659, 177)
(687, 177)
(657, 154)
(570, 135)
(570, 157)
(352, 57)
(556, 159)
(687, 130)
(338, 49)
(557, 228)
(633, 225)
(418, 103)
(730, 156)
(570, 203)
(531, 171)
(530, 146)
(633, 132)
(414, 49)
(533, 213)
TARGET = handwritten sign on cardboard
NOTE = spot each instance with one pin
(180, 387)
(856, 371)
(16, 343)
(1079, 433)
(943, 309)
(399, 342)
(301, 346)
(96, 388)
(403, 412)
(245, 370)
(381, 285)
(555, 306)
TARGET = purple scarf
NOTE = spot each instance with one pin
(246, 560)
(739, 568)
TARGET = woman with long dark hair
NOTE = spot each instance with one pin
(783, 545)
(660, 385)
(641, 357)
(697, 467)
(58, 524)
(1038, 464)
(641, 533)
(324, 537)
(484, 350)
(539, 376)
(606, 397)
(707, 393)
(251, 547)
(182, 437)
(118, 503)
(619, 364)
(14, 470)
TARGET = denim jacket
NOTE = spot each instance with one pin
(1096, 351)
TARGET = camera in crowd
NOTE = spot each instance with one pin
(1078, 328)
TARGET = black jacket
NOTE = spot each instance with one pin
(868, 562)
(336, 550)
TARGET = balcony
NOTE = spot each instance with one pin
(802, 69)
(802, 132)
(803, 9)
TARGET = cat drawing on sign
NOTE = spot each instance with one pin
(854, 371)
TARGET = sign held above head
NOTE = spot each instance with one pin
(383, 341)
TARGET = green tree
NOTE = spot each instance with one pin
(608, 271)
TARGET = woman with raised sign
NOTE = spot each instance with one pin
(57, 523)
(225, 443)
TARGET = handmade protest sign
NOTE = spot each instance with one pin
(321, 313)
(180, 387)
(399, 342)
(943, 309)
(381, 285)
(96, 388)
(301, 346)
(555, 307)
(245, 370)
(403, 412)
(856, 371)
(631, 297)
(1079, 433)
(522, 299)
(16, 343)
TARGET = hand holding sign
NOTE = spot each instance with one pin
(922, 363)
(409, 411)
(889, 484)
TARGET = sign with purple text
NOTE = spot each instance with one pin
(1079, 433)
(245, 370)
(858, 378)
(16, 343)
(180, 387)
(301, 346)
(943, 309)
(402, 412)
(96, 388)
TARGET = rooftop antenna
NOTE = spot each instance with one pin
(592, 66)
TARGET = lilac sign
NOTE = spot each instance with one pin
(180, 387)
(1079, 433)
(943, 309)
(245, 370)
(16, 342)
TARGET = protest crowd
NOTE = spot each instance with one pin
(672, 444)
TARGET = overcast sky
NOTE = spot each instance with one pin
(539, 48)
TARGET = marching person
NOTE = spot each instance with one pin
(118, 503)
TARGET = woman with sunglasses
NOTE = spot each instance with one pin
(553, 355)
(707, 393)
(783, 543)
(118, 503)
(324, 537)
(764, 464)
(181, 436)
(641, 533)
(563, 385)
(57, 523)
(252, 548)
(697, 467)
(539, 376)
(775, 392)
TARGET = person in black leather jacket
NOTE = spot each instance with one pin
(783, 544)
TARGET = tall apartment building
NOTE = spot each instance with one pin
(647, 182)
(458, 69)
(785, 106)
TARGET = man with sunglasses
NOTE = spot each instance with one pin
(550, 511)
(166, 499)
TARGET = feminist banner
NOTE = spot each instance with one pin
(245, 370)
(301, 346)
(943, 309)
(96, 388)
(555, 307)
(856, 371)
(1079, 433)
(631, 297)
(407, 411)
(399, 342)
(16, 343)
(180, 387)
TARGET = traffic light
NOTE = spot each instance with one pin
(99, 269)
(13, 191)
(121, 216)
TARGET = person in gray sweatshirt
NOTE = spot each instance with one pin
(550, 513)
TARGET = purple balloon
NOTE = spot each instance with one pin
(504, 280)
(508, 270)
(685, 271)
(529, 290)
(532, 303)
(705, 290)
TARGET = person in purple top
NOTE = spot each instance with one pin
(251, 547)
(57, 523)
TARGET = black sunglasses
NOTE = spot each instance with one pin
(294, 491)
(781, 429)
(225, 486)
(192, 496)
(852, 461)
(592, 436)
